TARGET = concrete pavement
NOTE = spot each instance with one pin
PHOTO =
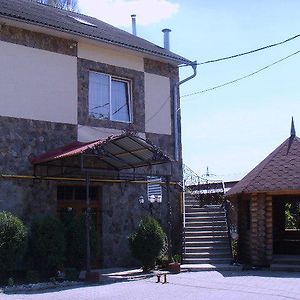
(250, 285)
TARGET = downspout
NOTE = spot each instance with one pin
(177, 107)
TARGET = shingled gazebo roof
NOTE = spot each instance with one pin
(279, 171)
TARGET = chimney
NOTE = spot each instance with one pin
(133, 21)
(166, 32)
(69, 2)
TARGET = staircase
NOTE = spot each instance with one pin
(205, 243)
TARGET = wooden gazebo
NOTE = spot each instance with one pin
(267, 205)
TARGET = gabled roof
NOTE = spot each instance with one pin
(43, 15)
(279, 171)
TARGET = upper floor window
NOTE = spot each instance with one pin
(109, 97)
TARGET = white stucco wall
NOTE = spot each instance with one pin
(110, 56)
(157, 104)
(37, 84)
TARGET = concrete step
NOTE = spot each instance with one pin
(194, 205)
(218, 248)
(207, 243)
(206, 238)
(225, 255)
(208, 222)
(205, 217)
(214, 260)
(205, 227)
(285, 267)
(206, 232)
(197, 213)
(210, 267)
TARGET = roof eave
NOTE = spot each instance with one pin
(178, 60)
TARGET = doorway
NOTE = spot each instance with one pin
(286, 225)
(71, 204)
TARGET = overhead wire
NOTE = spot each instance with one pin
(221, 85)
(240, 78)
(245, 53)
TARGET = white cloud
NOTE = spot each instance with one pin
(117, 12)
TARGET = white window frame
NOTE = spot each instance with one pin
(129, 95)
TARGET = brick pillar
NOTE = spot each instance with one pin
(269, 229)
(254, 229)
(258, 229)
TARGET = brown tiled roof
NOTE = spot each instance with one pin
(61, 20)
(277, 172)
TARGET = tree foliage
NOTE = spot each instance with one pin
(13, 240)
(147, 242)
(63, 4)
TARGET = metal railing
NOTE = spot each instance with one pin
(205, 191)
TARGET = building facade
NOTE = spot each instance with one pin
(266, 203)
(70, 78)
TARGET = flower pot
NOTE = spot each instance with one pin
(174, 267)
(92, 277)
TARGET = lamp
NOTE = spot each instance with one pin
(152, 199)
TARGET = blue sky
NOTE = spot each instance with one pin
(233, 128)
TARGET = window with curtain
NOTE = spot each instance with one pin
(109, 98)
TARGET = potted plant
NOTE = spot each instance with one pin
(174, 266)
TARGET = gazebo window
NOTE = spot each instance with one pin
(292, 215)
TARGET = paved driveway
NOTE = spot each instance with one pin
(195, 285)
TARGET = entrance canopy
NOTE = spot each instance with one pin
(114, 154)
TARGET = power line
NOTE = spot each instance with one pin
(240, 78)
(246, 53)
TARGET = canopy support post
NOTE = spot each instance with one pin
(167, 178)
(87, 224)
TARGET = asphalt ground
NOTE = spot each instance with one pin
(262, 285)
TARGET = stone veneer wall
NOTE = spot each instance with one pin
(121, 215)
(37, 40)
(20, 139)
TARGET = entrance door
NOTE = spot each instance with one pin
(286, 225)
(71, 202)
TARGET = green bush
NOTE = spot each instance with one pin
(32, 276)
(75, 236)
(71, 274)
(147, 242)
(47, 245)
(13, 241)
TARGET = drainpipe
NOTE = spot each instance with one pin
(177, 108)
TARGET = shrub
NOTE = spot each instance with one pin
(147, 242)
(13, 241)
(75, 236)
(71, 274)
(47, 244)
(32, 276)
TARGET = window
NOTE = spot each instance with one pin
(77, 193)
(109, 98)
(154, 188)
